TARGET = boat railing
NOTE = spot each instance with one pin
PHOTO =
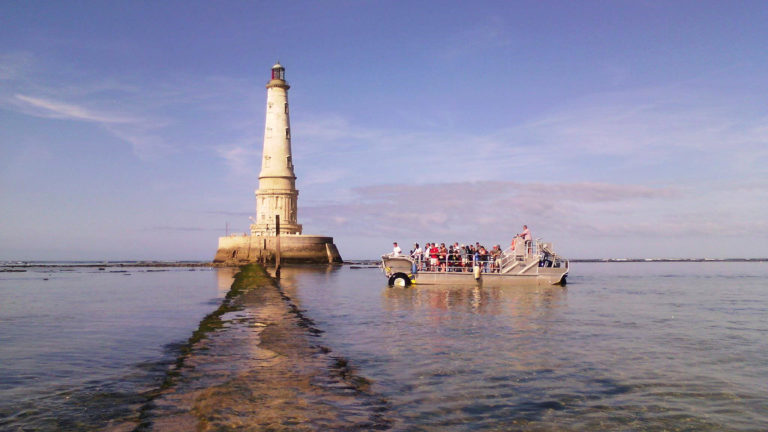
(519, 257)
(519, 251)
(461, 263)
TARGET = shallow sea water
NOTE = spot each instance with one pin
(625, 346)
(79, 345)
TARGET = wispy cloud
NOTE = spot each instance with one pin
(14, 65)
(607, 165)
(638, 136)
(243, 157)
(334, 127)
(182, 229)
(324, 177)
(491, 35)
(156, 117)
(490, 211)
(230, 213)
(473, 207)
(142, 134)
(55, 109)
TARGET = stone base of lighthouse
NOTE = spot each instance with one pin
(240, 249)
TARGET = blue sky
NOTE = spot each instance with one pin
(133, 130)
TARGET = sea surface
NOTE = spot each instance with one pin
(79, 346)
(624, 346)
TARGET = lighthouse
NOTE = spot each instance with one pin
(277, 194)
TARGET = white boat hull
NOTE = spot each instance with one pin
(402, 271)
(489, 279)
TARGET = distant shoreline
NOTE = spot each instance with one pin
(105, 264)
(133, 264)
(620, 260)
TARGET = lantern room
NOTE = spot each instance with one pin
(278, 72)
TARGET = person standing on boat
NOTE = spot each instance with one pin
(433, 254)
(466, 257)
(483, 258)
(495, 258)
(417, 255)
(526, 235)
(396, 251)
(443, 255)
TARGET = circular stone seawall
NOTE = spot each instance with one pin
(240, 249)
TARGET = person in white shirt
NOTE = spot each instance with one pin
(396, 251)
(417, 255)
(526, 234)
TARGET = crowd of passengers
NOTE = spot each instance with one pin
(459, 258)
(455, 257)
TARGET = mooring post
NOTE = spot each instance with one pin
(277, 246)
(265, 254)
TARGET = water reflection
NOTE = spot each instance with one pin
(292, 271)
(476, 299)
(259, 367)
(291, 275)
(80, 345)
(224, 278)
(457, 335)
(626, 347)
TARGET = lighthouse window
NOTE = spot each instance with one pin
(288, 161)
(287, 132)
(286, 108)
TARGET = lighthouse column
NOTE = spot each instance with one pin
(277, 194)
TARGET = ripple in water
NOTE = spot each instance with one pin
(631, 346)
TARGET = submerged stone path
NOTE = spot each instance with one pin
(256, 365)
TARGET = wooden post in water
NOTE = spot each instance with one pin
(264, 253)
(277, 246)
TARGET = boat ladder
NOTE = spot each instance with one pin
(508, 266)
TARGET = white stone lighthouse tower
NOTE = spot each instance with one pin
(277, 194)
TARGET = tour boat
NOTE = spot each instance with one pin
(524, 262)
